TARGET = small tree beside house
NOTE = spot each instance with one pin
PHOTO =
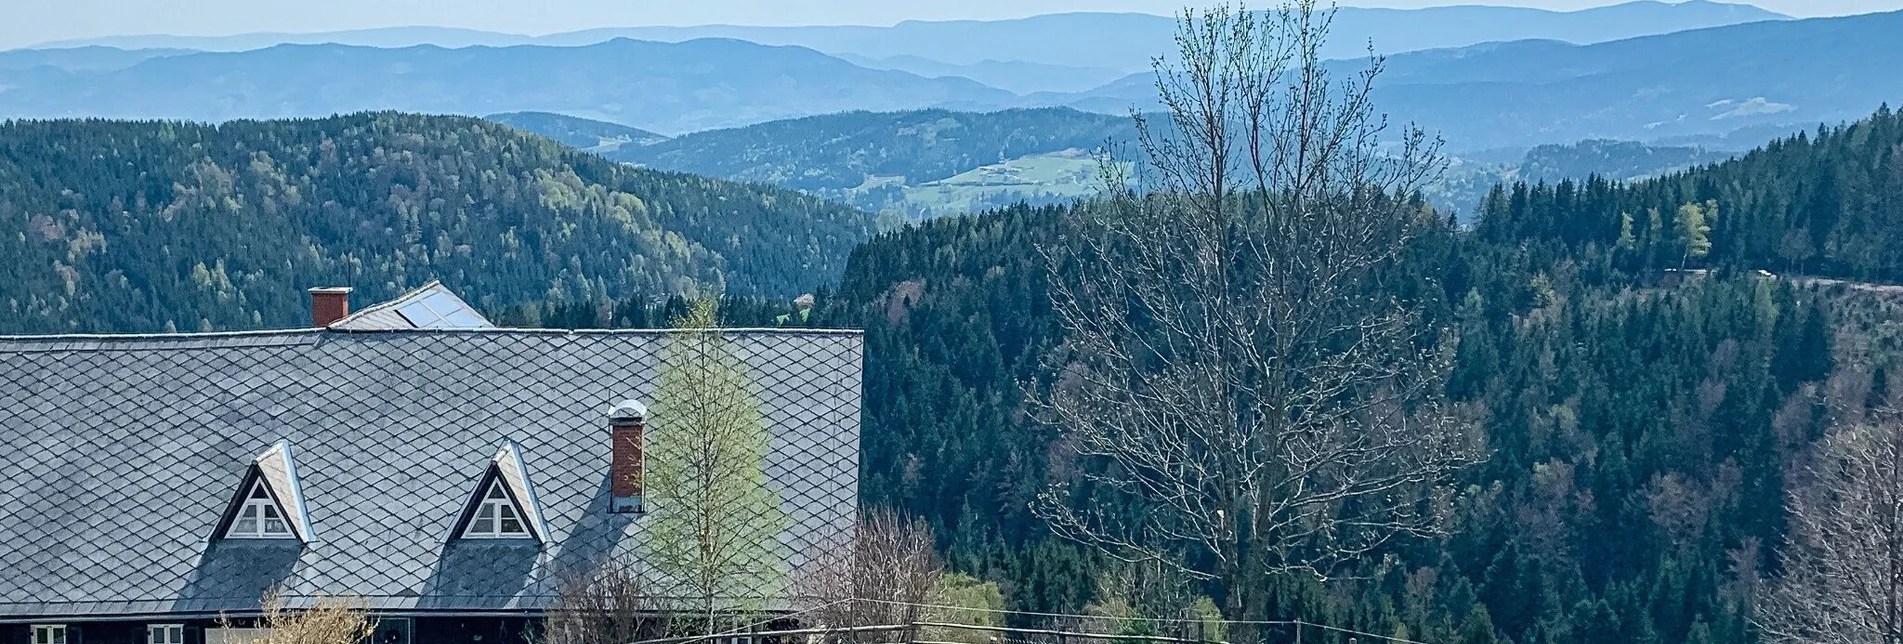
(714, 521)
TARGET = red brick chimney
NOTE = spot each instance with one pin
(329, 304)
(626, 428)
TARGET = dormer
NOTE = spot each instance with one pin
(268, 502)
(503, 504)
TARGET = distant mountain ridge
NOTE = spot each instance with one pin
(662, 87)
(1691, 85)
(1715, 87)
(1012, 76)
(1123, 41)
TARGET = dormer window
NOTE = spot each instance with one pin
(502, 503)
(259, 517)
(268, 502)
(497, 517)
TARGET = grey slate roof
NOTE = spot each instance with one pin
(124, 451)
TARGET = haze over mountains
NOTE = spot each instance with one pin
(1122, 41)
(1689, 86)
(665, 87)
(1696, 85)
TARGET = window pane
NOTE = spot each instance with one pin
(488, 511)
(495, 492)
(243, 526)
(505, 510)
(270, 512)
(178, 634)
(511, 526)
(274, 526)
(483, 526)
(59, 635)
(250, 512)
(257, 492)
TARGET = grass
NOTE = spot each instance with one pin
(1038, 179)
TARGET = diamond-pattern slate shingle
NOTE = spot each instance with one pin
(124, 452)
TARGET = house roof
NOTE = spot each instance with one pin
(125, 450)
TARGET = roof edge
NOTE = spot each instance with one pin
(197, 335)
(214, 335)
(749, 330)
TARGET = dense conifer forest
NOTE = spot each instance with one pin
(151, 226)
(1828, 202)
(1645, 392)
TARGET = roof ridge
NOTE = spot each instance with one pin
(317, 333)
(624, 331)
(180, 335)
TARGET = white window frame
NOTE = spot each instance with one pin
(492, 511)
(258, 513)
(164, 634)
(50, 634)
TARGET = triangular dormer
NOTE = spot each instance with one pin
(269, 502)
(503, 503)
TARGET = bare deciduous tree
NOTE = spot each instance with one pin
(613, 603)
(1253, 398)
(1843, 565)
(329, 620)
(879, 576)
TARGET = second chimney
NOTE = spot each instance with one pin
(626, 428)
(329, 304)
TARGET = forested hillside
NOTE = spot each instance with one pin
(585, 134)
(1642, 426)
(149, 226)
(1829, 202)
(1633, 490)
(1471, 178)
(906, 162)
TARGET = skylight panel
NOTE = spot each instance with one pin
(465, 319)
(421, 315)
(441, 310)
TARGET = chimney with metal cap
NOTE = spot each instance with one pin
(329, 304)
(626, 426)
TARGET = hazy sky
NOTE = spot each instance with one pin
(33, 21)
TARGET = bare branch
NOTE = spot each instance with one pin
(1248, 400)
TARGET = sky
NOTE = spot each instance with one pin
(29, 22)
